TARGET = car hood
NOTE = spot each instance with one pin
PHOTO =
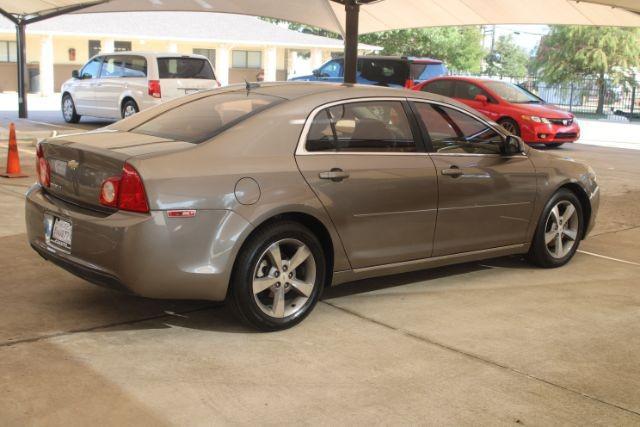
(549, 111)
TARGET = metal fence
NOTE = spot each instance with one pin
(581, 95)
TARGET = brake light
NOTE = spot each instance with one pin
(408, 84)
(125, 192)
(154, 88)
(42, 167)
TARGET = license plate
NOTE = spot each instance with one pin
(190, 91)
(61, 233)
(60, 167)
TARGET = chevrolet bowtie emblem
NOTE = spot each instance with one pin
(73, 164)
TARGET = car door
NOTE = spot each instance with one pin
(466, 92)
(486, 198)
(84, 87)
(109, 87)
(364, 160)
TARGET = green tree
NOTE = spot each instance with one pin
(459, 47)
(569, 52)
(507, 58)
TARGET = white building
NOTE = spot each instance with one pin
(238, 46)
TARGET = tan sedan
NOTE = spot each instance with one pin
(264, 195)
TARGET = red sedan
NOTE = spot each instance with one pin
(517, 110)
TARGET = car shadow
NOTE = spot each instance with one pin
(218, 317)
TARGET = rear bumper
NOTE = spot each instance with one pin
(540, 133)
(145, 254)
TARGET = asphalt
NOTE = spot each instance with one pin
(493, 342)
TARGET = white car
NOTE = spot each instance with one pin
(118, 85)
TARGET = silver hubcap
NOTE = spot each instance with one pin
(284, 278)
(129, 110)
(67, 108)
(509, 127)
(561, 229)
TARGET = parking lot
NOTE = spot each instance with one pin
(494, 342)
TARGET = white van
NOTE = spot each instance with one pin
(117, 85)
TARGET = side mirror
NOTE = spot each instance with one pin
(513, 145)
(316, 73)
(481, 98)
(75, 74)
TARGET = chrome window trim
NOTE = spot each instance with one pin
(301, 149)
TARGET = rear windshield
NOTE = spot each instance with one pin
(424, 71)
(204, 118)
(185, 68)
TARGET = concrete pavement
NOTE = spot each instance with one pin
(494, 342)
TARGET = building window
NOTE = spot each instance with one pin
(246, 59)
(94, 48)
(8, 51)
(120, 46)
(209, 53)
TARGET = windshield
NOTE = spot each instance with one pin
(202, 119)
(185, 68)
(512, 93)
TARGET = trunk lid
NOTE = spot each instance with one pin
(80, 163)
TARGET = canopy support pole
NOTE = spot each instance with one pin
(22, 69)
(352, 9)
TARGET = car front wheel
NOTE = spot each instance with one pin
(69, 113)
(510, 126)
(559, 231)
(278, 277)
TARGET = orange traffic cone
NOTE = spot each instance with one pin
(13, 159)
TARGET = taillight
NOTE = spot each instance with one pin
(408, 84)
(154, 88)
(42, 167)
(125, 192)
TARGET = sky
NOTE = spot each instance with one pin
(525, 36)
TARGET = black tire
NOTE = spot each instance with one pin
(70, 116)
(510, 125)
(127, 105)
(539, 253)
(555, 144)
(241, 296)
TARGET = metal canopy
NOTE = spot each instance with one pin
(347, 17)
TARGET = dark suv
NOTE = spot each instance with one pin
(393, 71)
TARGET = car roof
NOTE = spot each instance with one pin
(153, 54)
(424, 60)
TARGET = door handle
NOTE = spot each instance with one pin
(453, 171)
(335, 175)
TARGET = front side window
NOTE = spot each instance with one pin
(331, 69)
(202, 119)
(185, 68)
(439, 87)
(92, 69)
(452, 131)
(373, 126)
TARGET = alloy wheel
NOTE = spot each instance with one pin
(67, 109)
(509, 127)
(284, 278)
(129, 110)
(561, 229)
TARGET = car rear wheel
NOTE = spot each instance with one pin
(69, 113)
(278, 277)
(129, 108)
(510, 126)
(559, 230)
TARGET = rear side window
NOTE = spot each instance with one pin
(385, 71)
(439, 87)
(202, 119)
(185, 68)
(376, 126)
